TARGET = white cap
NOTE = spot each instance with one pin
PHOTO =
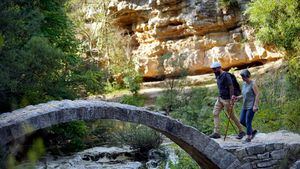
(215, 65)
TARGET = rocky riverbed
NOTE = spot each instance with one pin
(109, 158)
(97, 157)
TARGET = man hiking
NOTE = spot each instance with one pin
(226, 92)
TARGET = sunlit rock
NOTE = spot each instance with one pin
(196, 32)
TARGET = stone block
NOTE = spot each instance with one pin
(211, 148)
(263, 156)
(241, 153)
(258, 149)
(216, 156)
(227, 160)
(296, 165)
(235, 164)
(250, 158)
(270, 147)
(253, 165)
(272, 167)
(294, 148)
(278, 154)
(278, 146)
(265, 164)
(246, 166)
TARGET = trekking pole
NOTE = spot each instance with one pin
(229, 121)
(226, 128)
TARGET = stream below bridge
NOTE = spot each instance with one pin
(110, 158)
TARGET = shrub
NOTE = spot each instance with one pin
(291, 115)
(67, 137)
(168, 101)
(140, 138)
(136, 100)
(173, 96)
(101, 132)
(192, 108)
(133, 83)
(279, 103)
(197, 111)
(294, 71)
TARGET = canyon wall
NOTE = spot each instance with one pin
(169, 36)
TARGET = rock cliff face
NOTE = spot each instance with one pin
(173, 35)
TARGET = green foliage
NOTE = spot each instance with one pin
(133, 83)
(1, 41)
(278, 23)
(196, 111)
(136, 100)
(291, 115)
(112, 87)
(279, 103)
(36, 151)
(33, 155)
(11, 162)
(39, 60)
(184, 160)
(294, 70)
(168, 100)
(101, 132)
(140, 138)
(68, 137)
(193, 108)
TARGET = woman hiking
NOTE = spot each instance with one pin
(250, 97)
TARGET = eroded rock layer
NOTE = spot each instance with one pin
(174, 35)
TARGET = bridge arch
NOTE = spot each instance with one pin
(205, 151)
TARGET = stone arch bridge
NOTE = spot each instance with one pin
(206, 152)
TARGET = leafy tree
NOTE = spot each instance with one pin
(39, 60)
(278, 23)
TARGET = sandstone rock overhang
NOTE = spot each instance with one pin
(170, 36)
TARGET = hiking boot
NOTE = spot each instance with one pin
(247, 140)
(215, 135)
(240, 135)
(253, 133)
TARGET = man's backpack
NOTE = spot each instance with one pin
(236, 85)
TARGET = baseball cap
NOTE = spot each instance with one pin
(215, 65)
